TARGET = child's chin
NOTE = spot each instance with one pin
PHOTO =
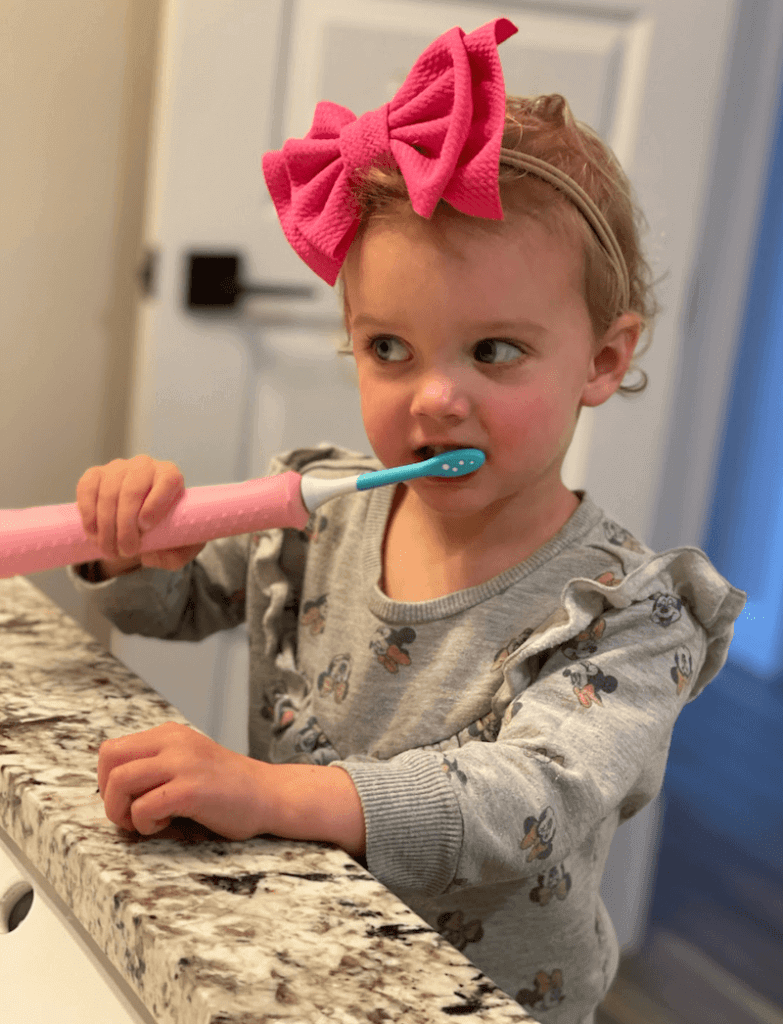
(449, 497)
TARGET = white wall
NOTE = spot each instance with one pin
(75, 94)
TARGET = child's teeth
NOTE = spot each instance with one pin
(429, 451)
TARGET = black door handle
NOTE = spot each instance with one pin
(214, 282)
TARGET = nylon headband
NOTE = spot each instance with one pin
(561, 181)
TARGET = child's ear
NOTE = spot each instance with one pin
(612, 359)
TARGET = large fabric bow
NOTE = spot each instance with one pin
(444, 129)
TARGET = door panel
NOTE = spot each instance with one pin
(359, 54)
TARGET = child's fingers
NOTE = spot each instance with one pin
(139, 775)
(130, 766)
(149, 490)
(130, 782)
(87, 499)
(167, 486)
(116, 752)
(154, 810)
(135, 485)
(171, 559)
(119, 501)
(109, 486)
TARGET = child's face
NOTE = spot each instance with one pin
(475, 339)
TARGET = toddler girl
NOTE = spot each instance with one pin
(467, 682)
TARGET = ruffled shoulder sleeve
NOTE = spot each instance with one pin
(667, 581)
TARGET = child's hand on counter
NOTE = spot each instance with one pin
(172, 771)
(120, 501)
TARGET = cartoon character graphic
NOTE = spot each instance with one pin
(312, 740)
(513, 645)
(335, 680)
(539, 833)
(485, 729)
(542, 754)
(608, 579)
(452, 768)
(682, 670)
(588, 680)
(457, 931)
(556, 882)
(314, 614)
(667, 608)
(272, 697)
(513, 709)
(616, 534)
(284, 713)
(559, 617)
(546, 993)
(586, 643)
(388, 645)
(315, 527)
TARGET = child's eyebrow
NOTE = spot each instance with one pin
(370, 321)
(484, 327)
(508, 326)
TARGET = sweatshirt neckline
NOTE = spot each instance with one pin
(378, 506)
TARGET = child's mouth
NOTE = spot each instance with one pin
(438, 452)
(428, 451)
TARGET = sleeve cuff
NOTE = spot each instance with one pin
(413, 822)
(87, 576)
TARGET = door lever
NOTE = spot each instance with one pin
(214, 282)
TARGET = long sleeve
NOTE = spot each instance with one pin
(211, 592)
(578, 732)
(205, 596)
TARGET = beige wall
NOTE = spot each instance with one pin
(76, 83)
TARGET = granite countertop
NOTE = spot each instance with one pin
(205, 931)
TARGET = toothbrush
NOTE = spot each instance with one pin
(48, 536)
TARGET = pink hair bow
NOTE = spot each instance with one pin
(444, 128)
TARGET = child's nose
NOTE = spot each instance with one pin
(440, 396)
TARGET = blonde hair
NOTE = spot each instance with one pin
(544, 127)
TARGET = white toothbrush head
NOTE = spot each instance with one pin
(448, 464)
(456, 463)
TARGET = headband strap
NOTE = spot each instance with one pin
(582, 201)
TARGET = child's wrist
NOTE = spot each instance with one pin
(111, 567)
(316, 802)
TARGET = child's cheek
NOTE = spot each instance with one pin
(530, 430)
(518, 422)
(385, 422)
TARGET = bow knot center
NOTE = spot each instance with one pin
(365, 139)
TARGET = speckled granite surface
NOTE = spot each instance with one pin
(206, 931)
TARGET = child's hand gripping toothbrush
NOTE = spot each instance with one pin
(48, 536)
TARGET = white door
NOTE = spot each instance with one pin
(219, 395)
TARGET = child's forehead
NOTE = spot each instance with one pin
(460, 233)
(451, 236)
(505, 272)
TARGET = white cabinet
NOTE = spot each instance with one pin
(49, 969)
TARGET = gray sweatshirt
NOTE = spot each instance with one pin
(496, 736)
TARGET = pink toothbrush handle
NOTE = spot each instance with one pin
(33, 539)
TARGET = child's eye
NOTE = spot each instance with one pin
(494, 350)
(388, 349)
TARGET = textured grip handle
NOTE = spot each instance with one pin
(33, 539)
